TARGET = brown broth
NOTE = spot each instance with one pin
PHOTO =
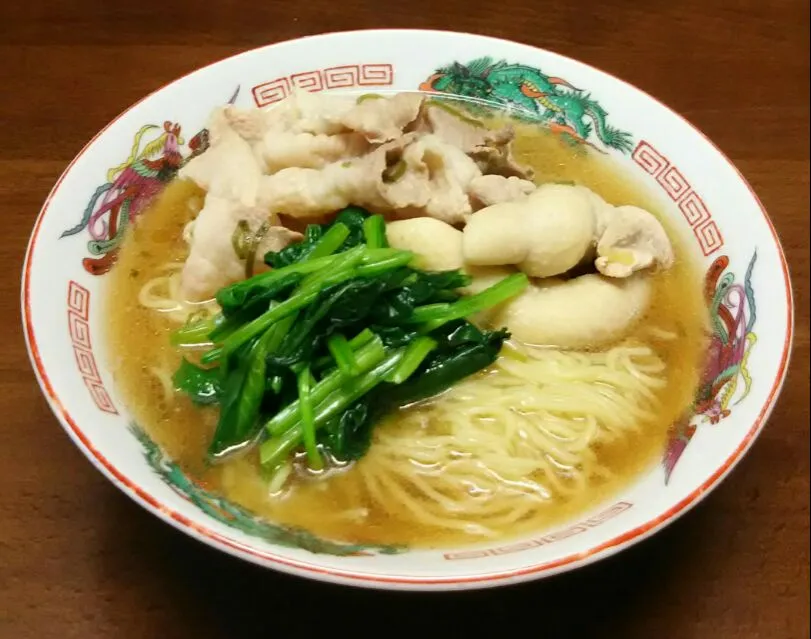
(138, 340)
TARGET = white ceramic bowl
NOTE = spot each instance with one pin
(710, 201)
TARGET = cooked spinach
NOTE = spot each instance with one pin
(342, 330)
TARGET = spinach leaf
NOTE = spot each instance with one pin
(395, 336)
(241, 304)
(298, 251)
(353, 217)
(414, 288)
(349, 436)
(237, 423)
(344, 305)
(202, 385)
(462, 353)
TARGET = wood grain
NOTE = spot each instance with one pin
(79, 559)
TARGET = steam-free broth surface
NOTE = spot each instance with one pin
(143, 361)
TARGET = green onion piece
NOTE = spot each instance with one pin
(305, 384)
(245, 243)
(394, 172)
(343, 355)
(239, 239)
(441, 104)
(368, 96)
(415, 354)
(374, 232)
(253, 244)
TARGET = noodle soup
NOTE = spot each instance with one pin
(538, 436)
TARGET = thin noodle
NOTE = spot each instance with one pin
(497, 447)
(162, 293)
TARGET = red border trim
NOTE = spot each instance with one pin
(356, 578)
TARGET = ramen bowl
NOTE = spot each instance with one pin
(704, 197)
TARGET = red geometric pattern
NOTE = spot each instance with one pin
(271, 92)
(694, 209)
(709, 237)
(650, 159)
(674, 183)
(309, 81)
(551, 538)
(679, 190)
(79, 330)
(344, 77)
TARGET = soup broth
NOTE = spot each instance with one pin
(335, 506)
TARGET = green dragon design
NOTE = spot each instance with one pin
(236, 517)
(534, 96)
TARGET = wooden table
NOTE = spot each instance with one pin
(79, 559)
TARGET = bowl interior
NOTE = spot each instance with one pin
(708, 201)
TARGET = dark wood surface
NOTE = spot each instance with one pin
(79, 559)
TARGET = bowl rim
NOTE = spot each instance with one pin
(369, 580)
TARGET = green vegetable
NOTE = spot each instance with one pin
(304, 296)
(244, 242)
(349, 436)
(374, 232)
(240, 399)
(384, 264)
(297, 252)
(461, 350)
(415, 353)
(236, 315)
(353, 217)
(330, 242)
(286, 373)
(341, 351)
(437, 314)
(361, 339)
(367, 357)
(212, 356)
(202, 385)
(307, 419)
(232, 297)
(193, 334)
(368, 96)
(341, 269)
(445, 368)
(245, 386)
(274, 450)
